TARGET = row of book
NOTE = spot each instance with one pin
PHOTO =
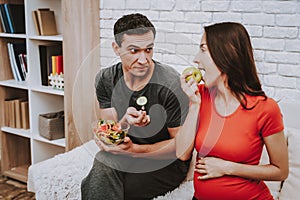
(16, 113)
(44, 21)
(51, 61)
(12, 18)
(18, 60)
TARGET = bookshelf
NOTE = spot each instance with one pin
(22, 147)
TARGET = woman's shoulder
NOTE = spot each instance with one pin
(263, 102)
(263, 105)
(269, 116)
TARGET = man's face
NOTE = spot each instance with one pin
(136, 53)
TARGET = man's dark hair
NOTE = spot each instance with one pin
(132, 24)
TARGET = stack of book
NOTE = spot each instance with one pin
(44, 20)
(16, 113)
(12, 18)
(51, 61)
(18, 60)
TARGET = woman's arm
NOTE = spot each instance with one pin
(276, 170)
(186, 136)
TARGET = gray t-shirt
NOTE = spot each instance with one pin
(167, 104)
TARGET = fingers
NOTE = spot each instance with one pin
(145, 121)
(204, 177)
(99, 143)
(138, 118)
(126, 139)
(189, 82)
(190, 87)
(131, 111)
(201, 168)
(141, 116)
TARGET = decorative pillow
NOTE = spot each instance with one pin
(290, 189)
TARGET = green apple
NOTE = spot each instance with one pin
(196, 74)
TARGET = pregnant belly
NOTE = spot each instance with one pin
(231, 188)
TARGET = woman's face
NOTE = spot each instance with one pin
(212, 75)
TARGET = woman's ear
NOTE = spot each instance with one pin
(116, 48)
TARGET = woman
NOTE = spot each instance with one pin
(230, 119)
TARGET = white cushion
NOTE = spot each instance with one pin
(291, 186)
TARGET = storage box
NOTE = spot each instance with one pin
(51, 125)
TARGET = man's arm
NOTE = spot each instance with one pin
(160, 150)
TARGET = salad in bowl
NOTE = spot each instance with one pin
(110, 132)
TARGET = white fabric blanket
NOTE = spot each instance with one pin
(60, 177)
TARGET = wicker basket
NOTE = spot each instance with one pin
(51, 125)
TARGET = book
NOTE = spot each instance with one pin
(36, 23)
(6, 112)
(46, 22)
(12, 118)
(53, 66)
(9, 22)
(46, 53)
(4, 21)
(12, 61)
(16, 48)
(24, 114)
(23, 63)
(17, 105)
(59, 64)
(16, 17)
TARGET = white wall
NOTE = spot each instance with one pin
(274, 27)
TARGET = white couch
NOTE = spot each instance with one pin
(60, 177)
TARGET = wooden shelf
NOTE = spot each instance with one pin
(59, 142)
(18, 173)
(15, 84)
(48, 90)
(78, 28)
(10, 35)
(16, 131)
(19, 149)
(46, 38)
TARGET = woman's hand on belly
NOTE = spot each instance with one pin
(211, 167)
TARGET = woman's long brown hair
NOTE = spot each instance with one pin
(231, 50)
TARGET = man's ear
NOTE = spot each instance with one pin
(116, 48)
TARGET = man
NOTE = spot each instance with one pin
(145, 164)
